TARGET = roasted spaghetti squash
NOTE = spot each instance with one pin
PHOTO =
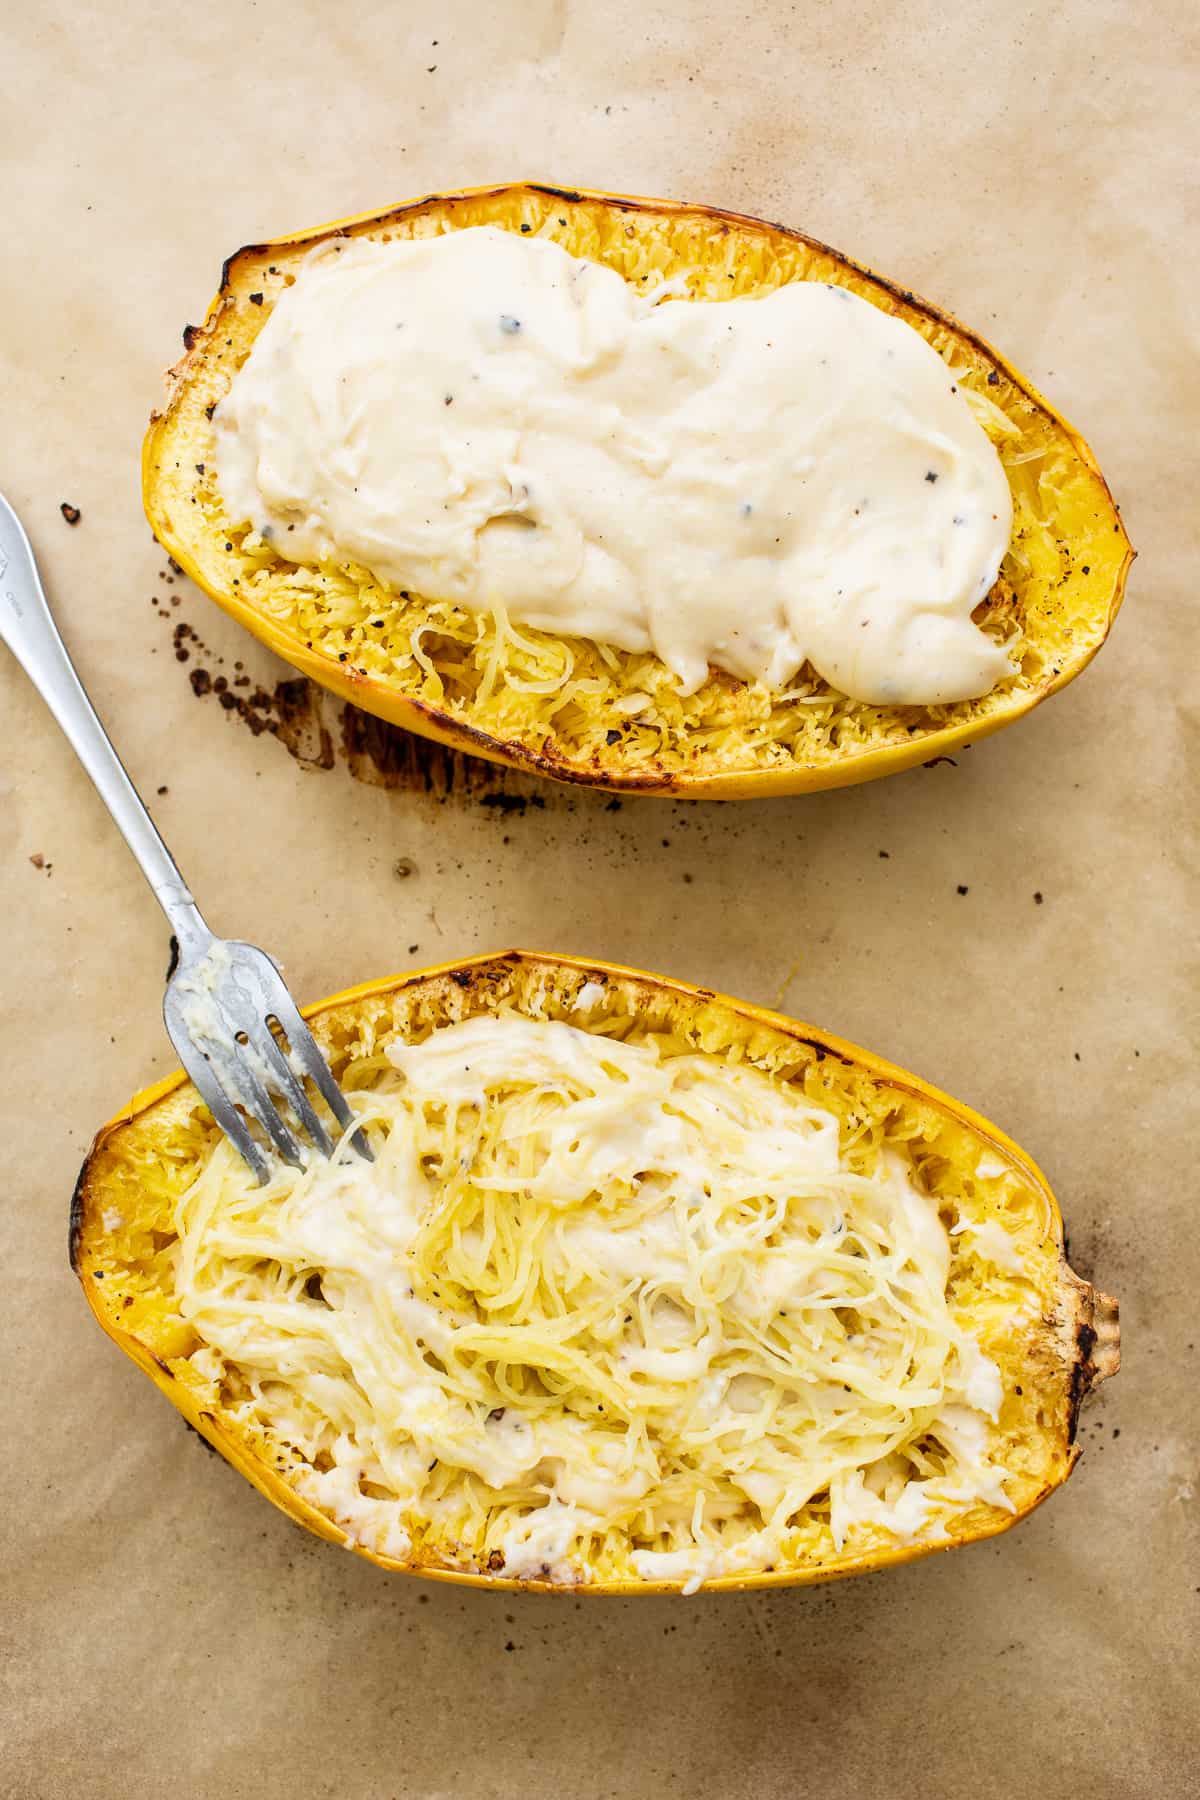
(645, 1289)
(581, 711)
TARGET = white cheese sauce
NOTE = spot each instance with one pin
(749, 484)
(686, 1213)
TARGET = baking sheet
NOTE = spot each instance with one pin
(162, 1630)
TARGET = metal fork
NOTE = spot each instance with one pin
(222, 996)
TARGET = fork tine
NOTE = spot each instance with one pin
(304, 1046)
(218, 1008)
(259, 1105)
(284, 1079)
(223, 1110)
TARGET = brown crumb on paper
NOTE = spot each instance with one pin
(70, 513)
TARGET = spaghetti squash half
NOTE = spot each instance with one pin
(644, 1290)
(580, 711)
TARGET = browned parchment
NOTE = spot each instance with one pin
(164, 1632)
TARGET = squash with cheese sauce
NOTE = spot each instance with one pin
(645, 1289)
(440, 664)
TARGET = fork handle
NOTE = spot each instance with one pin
(28, 628)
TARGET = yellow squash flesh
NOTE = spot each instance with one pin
(122, 1230)
(1059, 590)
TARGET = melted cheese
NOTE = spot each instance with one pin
(588, 1298)
(747, 483)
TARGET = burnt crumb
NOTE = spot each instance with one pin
(70, 513)
(413, 948)
(162, 790)
(256, 299)
(210, 409)
(963, 889)
(199, 467)
(403, 867)
(993, 378)
(931, 475)
(525, 229)
(612, 737)
(511, 803)
(510, 1645)
(1037, 899)
(884, 856)
(614, 805)
(200, 679)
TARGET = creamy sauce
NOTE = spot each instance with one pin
(685, 1212)
(484, 419)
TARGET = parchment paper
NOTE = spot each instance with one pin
(165, 1632)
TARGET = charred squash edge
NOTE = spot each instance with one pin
(429, 721)
(1089, 1335)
